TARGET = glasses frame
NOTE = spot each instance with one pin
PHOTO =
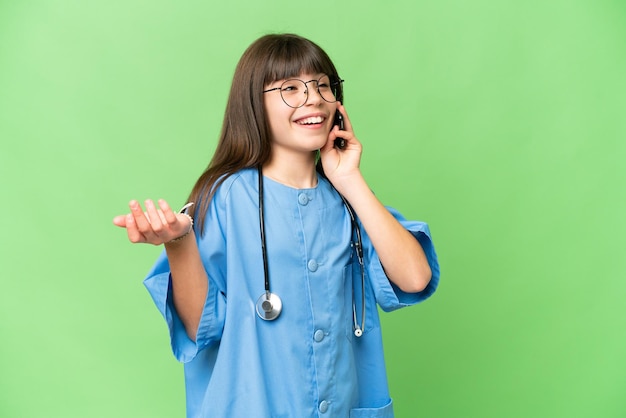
(333, 85)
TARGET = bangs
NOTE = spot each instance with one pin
(295, 56)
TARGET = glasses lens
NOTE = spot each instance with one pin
(293, 92)
(327, 90)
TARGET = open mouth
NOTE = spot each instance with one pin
(311, 121)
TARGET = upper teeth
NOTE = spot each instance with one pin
(311, 120)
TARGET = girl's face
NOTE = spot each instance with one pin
(302, 129)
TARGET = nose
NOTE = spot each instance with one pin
(312, 93)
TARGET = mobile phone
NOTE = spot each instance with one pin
(339, 142)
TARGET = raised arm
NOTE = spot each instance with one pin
(189, 279)
(400, 253)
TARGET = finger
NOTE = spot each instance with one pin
(169, 215)
(155, 219)
(335, 133)
(162, 217)
(332, 134)
(139, 217)
(330, 141)
(131, 229)
(142, 223)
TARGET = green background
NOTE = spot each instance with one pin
(499, 123)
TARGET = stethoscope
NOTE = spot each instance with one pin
(269, 306)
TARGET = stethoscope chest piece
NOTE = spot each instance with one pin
(269, 306)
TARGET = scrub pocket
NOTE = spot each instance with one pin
(384, 412)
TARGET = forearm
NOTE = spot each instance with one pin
(189, 282)
(400, 253)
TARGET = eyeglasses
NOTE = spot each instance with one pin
(295, 92)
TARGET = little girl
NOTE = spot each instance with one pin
(272, 274)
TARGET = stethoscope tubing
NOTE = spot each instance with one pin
(269, 305)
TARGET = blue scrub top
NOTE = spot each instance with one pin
(307, 362)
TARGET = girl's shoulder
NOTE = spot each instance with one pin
(234, 183)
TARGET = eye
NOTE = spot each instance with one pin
(292, 86)
(323, 83)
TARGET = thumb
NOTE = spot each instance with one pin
(120, 221)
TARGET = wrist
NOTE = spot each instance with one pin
(186, 234)
(349, 184)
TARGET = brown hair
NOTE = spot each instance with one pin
(245, 138)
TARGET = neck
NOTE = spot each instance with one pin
(294, 172)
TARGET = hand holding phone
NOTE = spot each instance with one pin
(340, 143)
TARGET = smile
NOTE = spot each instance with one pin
(313, 120)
